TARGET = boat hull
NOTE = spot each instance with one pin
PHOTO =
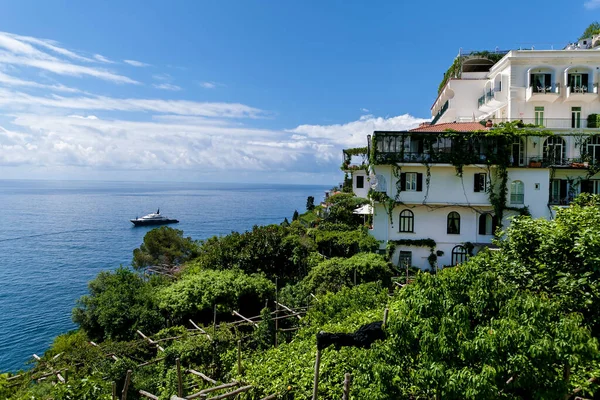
(138, 222)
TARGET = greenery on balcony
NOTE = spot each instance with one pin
(455, 70)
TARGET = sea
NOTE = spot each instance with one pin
(55, 236)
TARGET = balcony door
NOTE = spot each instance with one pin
(578, 82)
(541, 82)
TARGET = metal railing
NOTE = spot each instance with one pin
(552, 89)
(557, 123)
(441, 112)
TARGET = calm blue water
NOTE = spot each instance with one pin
(55, 236)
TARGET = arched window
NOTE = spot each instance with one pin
(555, 150)
(407, 221)
(517, 192)
(459, 255)
(453, 223)
(593, 148)
(487, 224)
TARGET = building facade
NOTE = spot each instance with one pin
(440, 191)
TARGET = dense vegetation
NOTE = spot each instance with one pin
(520, 322)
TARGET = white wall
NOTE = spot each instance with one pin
(445, 186)
(364, 191)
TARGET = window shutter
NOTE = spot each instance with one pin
(494, 223)
(419, 182)
(482, 220)
(584, 80)
(531, 82)
(548, 80)
(403, 181)
(563, 189)
(476, 179)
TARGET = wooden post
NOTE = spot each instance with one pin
(179, 385)
(245, 319)
(385, 316)
(239, 360)
(215, 320)
(200, 329)
(126, 386)
(316, 380)
(347, 382)
(276, 310)
(114, 390)
(276, 323)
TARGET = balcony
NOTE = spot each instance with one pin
(547, 94)
(441, 112)
(551, 123)
(583, 93)
(491, 100)
(406, 147)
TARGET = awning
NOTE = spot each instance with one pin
(367, 209)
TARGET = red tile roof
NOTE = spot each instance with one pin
(455, 126)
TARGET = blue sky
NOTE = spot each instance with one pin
(237, 91)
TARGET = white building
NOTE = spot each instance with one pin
(423, 198)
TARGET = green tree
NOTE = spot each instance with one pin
(592, 29)
(119, 303)
(342, 206)
(334, 274)
(164, 246)
(310, 203)
(194, 295)
(295, 216)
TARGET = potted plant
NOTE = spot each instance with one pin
(535, 163)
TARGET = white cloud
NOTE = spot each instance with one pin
(592, 4)
(364, 110)
(208, 85)
(10, 99)
(162, 77)
(136, 63)
(354, 134)
(167, 86)
(182, 143)
(103, 59)
(13, 81)
(27, 51)
(49, 127)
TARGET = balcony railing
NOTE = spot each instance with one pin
(486, 98)
(552, 89)
(440, 113)
(551, 123)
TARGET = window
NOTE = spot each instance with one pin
(459, 255)
(517, 156)
(590, 186)
(541, 83)
(407, 221)
(539, 116)
(453, 223)
(487, 224)
(405, 260)
(380, 184)
(411, 182)
(575, 117)
(555, 150)
(578, 83)
(517, 195)
(593, 148)
(480, 182)
(360, 182)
